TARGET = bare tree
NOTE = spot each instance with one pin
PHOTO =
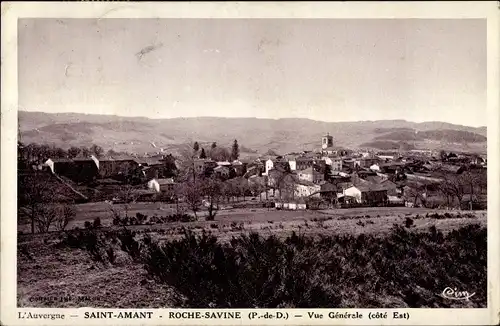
(191, 192)
(283, 180)
(35, 192)
(116, 213)
(186, 161)
(96, 150)
(46, 215)
(416, 191)
(451, 186)
(212, 190)
(128, 196)
(256, 188)
(242, 186)
(65, 214)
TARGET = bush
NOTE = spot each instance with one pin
(97, 223)
(129, 244)
(180, 218)
(252, 271)
(87, 225)
(409, 222)
(88, 240)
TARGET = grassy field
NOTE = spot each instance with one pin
(48, 270)
(375, 219)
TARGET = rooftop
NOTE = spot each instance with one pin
(165, 181)
(117, 158)
(61, 160)
(149, 160)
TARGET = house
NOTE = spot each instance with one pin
(204, 166)
(149, 161)
(224, 163)
(162, 185)
(302, 163)
(86, 168)
(328, 192)
(340, 174)
(335, 163)
(144, 194)
(375, 167)
(62, 166)
(116, 165)
(392, 168)
(150, 173)
(388, 155)
(367, 194)
(351, 163)
(151, 167)
(252, 171)
(368, 161)
(222, 171)
(311, 174)
(395, 201)
(239, 167)
(307, 189)
(78, 169)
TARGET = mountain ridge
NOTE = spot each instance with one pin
(138, 134)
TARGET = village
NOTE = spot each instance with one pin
(328, 178)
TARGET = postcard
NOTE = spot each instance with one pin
(262, 163)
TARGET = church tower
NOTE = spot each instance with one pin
(326, 141)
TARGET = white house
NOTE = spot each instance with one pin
(162, 185)
(353, 192)
(269, 166)
(293, 165)
(334, 162)
(375, 167)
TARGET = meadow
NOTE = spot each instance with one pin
(366, 257)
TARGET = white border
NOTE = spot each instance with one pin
(11, 11)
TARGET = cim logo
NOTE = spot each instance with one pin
(454, 294)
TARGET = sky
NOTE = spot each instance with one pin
(321, 69)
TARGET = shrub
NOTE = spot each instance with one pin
(87, 225)
(129, 244)
(97, 223)
(338, 270)
(408, 222)
(111, 255)
(89, 240)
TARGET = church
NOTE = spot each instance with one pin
(327, 145)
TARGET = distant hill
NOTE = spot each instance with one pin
(448, 135)
(138, 134)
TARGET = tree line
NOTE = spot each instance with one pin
(217, 153)
(38, 153)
